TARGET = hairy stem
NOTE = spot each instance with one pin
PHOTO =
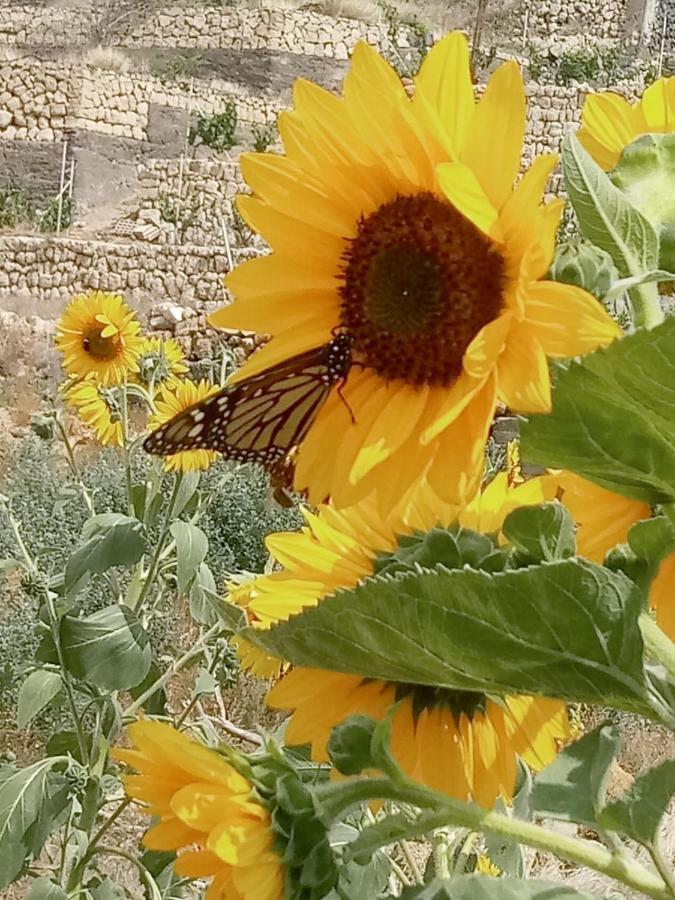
(444, 812)
(74, 467)
(183, 661)
(647, 310)
(161, 541)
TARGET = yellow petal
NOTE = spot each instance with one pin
(522, 205)
(567, 321)
(288, 235)
(662, 595)
(481, 354)
(658, 105)
(170, 834)
(444, 98)
(462, 188)
(524, 380)
(611, 121)
(451, 404)
(279, 312)
(494, 145)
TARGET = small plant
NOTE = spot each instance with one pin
(578, 65)
(15, 207)
(51, 219)
(183, 216)
(263, 136)
(107, 58)
(483, 59)
(176, 66)
(536, 63)
(216, 131)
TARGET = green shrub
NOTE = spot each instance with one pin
(48, 221)
(263, 136)
(15, 207)
(216, 131)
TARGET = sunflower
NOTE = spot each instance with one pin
(253, 659)
(395, 220)
(459, 742)
(207, 811)
(97, 407)
(100, 336)
(160, 361)
(603, 520)
(173, 399)
(609, 123)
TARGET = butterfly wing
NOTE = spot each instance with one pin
(261, 418)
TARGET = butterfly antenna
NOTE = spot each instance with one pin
(344, 400)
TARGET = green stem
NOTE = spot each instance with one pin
(65, 677)
(448, 812)
(441, 855)
(146, 877)
(16, 531)
(657, 642)
(74, 467)
(127, 453)
(647, 310)
(108, 822)
(164, 534)
(188, 657)
(663, 868)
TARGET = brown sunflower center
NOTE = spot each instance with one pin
(458, 703)
(419, 282)
(100, 347)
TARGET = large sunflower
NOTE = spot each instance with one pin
(463, 743)
(206, 810)
(97, 407)
(99, 336)
(609, 123)
(175, 397)
(395, 220)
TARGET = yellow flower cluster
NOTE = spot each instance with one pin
(104, 351)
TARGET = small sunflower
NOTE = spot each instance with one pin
(609, 123)
(97, 406)
(395, 220)
(99, 336)
(603, 520)
(160, 361)
(173, 399)
(207, 811)
(459, 742)
(254, 659)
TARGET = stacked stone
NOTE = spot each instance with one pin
(54, 268)
(207, 188)
(62, 26)
(34, 100)
(550, 18)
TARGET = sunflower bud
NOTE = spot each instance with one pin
(646, 174)
(585, 266)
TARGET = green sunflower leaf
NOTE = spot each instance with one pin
(612, 418)
(572, 788)
(607, 217)
(480, 887)
(566, 629)
(639, 812)
(542, 533)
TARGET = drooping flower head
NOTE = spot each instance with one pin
(98, 408)
(610, 123)
(99, 336)
(395, 220)
(460, 742)
(206, 810)
(173, 399)
(160, 362)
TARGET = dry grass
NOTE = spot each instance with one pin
(108, 58)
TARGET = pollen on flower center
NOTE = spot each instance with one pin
(101, 347)
(419, 282)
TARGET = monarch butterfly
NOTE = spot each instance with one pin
(262, 418)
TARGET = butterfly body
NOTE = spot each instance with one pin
(262, 418)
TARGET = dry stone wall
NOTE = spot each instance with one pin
(546, 19)
(42, 100)
(293, 31)
(55, 268)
